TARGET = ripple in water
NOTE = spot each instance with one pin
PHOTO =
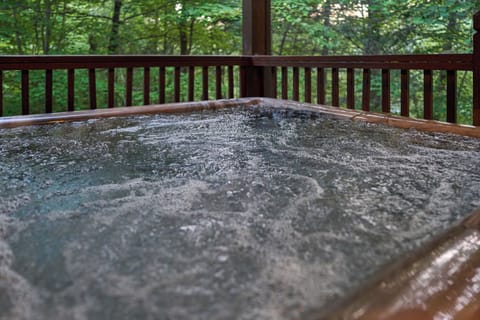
(228, 215)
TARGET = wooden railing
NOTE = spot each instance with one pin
(450, 64)
(242, 76)
(183, 66)
(230, 79)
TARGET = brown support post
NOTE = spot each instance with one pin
(428, 94)
(320, 86)
(350, 88)
(335, 88)
(25, 93)
(218, 82)
(274, 81)
(257, 40)
(191, 83)
(71, 89)
(243, 80)
(1, 93)
(146, 86)
(205, 83)
(296, 84)
(386, 90)
(48, 90)
(176, 84)
(405, 93)
(284, 83)
(231, 83)
(129, 88)
(92, 85)
(111, 88)
(476, 70)
(451, 96)
(366, 90)
(308, 85)
(161, 85)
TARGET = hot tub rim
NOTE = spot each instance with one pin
(183, 107)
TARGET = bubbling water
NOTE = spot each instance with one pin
(234, 214)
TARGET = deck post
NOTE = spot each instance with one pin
(257, 40)
(476, 70)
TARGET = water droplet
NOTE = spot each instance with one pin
(190, 228)
(222, 258)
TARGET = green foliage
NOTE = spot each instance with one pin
(300, 27)
(349, 27)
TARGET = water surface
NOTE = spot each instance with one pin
(216, 215)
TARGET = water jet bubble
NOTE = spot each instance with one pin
(189, 228)
(222, 258)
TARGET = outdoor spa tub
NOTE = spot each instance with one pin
(238, 209)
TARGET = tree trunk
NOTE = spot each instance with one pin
(18, 37)
(190, 38)
(371, 36)
(284, 39)
(182, 30)
(327, 10)
(38, 28)
(63, 32)
(47, 35)
(114, 43)
(183, 39)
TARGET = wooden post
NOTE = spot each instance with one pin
(257, 40)
(476, 70)
(25, 93)
(1, 93)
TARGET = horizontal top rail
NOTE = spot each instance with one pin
(116, 61)
(462, 62)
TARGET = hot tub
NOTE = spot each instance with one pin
(237, 209)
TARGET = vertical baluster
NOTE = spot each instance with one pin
(71, 89)
(218, 82)
(161, 85)
(296, 84)
(25, 92)
(205, 83)
(176, 84)
(146, 86)
(427, 94)
(335, 88)
(231, 84)
(1, 93)
(274, 82)
(320, 86)
(111, 88)
(191, 83)
(366, 90)
(350, 88)
(451, 96)
(308, 85)
(92, 84)
(284, 83)
(129, 88)
(476, 70)
(405, 93)
(48, 91)
(243, 81)
(386, 90)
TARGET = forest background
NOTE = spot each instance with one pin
(213, 27)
